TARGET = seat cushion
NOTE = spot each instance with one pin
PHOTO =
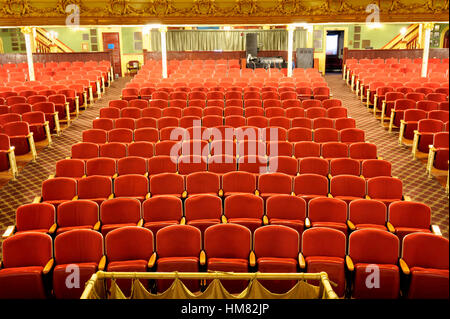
(155, 226)
(387, 287)
(60, 289)
(277, 265)
(180, 264)
(365, 226)
(202, 224)
(333, 266)
(427, 283)
(22, 283)
(42, 230)
(339, 226)
(250, 223)
(230, 265)
(124, 266)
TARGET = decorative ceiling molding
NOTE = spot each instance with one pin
(132, 12)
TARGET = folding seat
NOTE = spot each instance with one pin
(273, 133)
(125, 123)
(203, 183)
(298, 134)
(212, 120)
(424, 90)
(306, 104)
(10, 117)
(437, 97)
(20, 137)
(288, 95)
(423, 137)
(35, 217)
(234, 257)
(195, 147)
(425, 269)
(366, 213)
(79, 214)
(97, 188)
(252, 95)
(197, 103)
(172, 112)
(427, 106)
(147, 134)
(442, 90)
(275, 112)
(313, 165)
(140, 104)
(161, 211)
(158, 103)
(362, 151)
(257, 121)
(132, 185)
(72, 168)
(268, 103)
(20, 108)
(244, 209)
(328, 212)
(291, 103)
(274, 184)
(37, 125)
(141, 149)
(302, 122)
(238, 111)
(119, 104)
(188, 164)
(253, 164)
(235, 121)
(323, 135)
(304, 93)
(203, 211)
(51, 115)
(329, 103)
(375, 167)
(439, 115)
(190, 121)
(120, 212)
(103, 166)
(337, 112)
(280, 122)
(270, 95)
(168, 148)
(84, 150)
(232, 95)
(193, 111)
(215, 103)
(145, 122)
(96, 136)
(352, 135)
(146, 93)
(323, 122)
(385, 189)
(309, 186)
(323, 249)
(439, 152)
(347, 187)
(58, 190)
(121, 135)
(342, 123)
(306, 149)
(167, 184)
(16, 100)
(321, 93)
(132, 165)
(131, 112)
(109, 113)
(197, 95)
(279, 148)
(215, 95)
(369, 247)
(178, 96)
(105, 124)
(277, 248)
(409, 123)
(27, 259)
(238, 183)
(283, 164)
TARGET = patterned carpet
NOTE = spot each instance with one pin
(28, 183)
(412, 172)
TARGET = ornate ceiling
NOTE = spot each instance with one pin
(133, 12)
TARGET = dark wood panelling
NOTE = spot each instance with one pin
(56, 57)
(400, 54)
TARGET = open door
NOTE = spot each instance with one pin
(111, 42)
(334, 51)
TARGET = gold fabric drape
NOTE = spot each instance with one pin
(234, 40)
(255, 290)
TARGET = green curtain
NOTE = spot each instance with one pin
(210, 40)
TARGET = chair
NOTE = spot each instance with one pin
(161, 211)
(298, 134)
(306, 104)
(113, 150)
(124, 123)
(167, 184)
(153, 112)
(323, 122)
(351, 135)
(85, 150)
(331, 150)
(179, 249)
(337, 112)
(70, 250)
(58, 190)
(286, 210)
(426, 269)
(120, 212)
(306, 149)
(109, 113)
(313, 165)
(202, 183)
(132, 185)
(369, 248)
(95, 188)
(96, 136)
(105, 124)
(120, 135)
(102, 166)
(409, 217)
(366, 213)
(323, 135)
(309, 186)
(375, 167)
(119, 104)
(244, 209)
(27, 260)
(77, 214)
(203, 211)
(273, 184)
(34, 217)
(315, 112)
(302, 122)
(423, 137)
(323, 249)
(344, 166)
(328, 212)
(232, 257)
(348, 187)
(385, 189)
(253, 164)
(362, 151)
(276, 249)
(409, 123)
(72, 168)
(398, 111)
(329, 103)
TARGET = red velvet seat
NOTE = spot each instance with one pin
(167, 184)
(244, 209)
(328, 212)
(348, 187)
(367, 213)
(161, 211)
(385, 189)
(203, 210)
(375, 167)
(409, 217)
(286, 210)
(96, 188)
(78, 214)
(58, 190)
(132, 185)
(119, 212)
(85, 150)
(309, 186)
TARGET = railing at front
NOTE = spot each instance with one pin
(323, 291)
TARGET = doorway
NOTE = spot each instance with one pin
(111, 42)
(334, 51)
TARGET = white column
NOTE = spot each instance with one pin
(426, 49)
(290, 29)
(27, 31)
(163, 31)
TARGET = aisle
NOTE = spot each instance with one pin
(412, 172)
(28, 183)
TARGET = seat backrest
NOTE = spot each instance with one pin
(276, 241)
(285, 206)
(244, 206)
(426, 251)
(162, 208)
(35, 216)
(348, 185)
(275, 183)
(95, 186)
(120, 210)
(367, 211)
(84, 150)
(70, 247)
(59, 188)
(327, 209)
(77, 213)
(383, 187)
(178, 241)
(410, 214)
(26, 250)
(323, 241)
(129, 243)
(313, 184)
(227, 241)
(131, 185)
(203, 206)
(70, 168)
(373, 246)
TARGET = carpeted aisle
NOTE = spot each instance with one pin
(28, 183)
(412, 172)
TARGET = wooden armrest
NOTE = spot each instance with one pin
(51, 176)
(140, 222)
(368, 197)
(265, 220)
(257, 192)
(184, 194)
(52, 229)
(183, 221)
(390, 227)
(97, 226)
(252, 259)
(330, 196)
(379, 158)
(436, 230)
(75, 197)
(146, 174)
(307, 222)
(349, 263)
(115, 176)
(293, 194)
(111, 196)
(224, 219)
(102, 263)
(37, 199)
(151, 261)
(48, 267)
(11, 149)
(202, 258)
(220, 192)
(147, 196)
(301, 261)
(351, 225)
(404, 267)
(329, 176)
(9, 231)
(407, 198)
(362, 176)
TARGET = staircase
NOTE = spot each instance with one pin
(45, 45)
(410, 40)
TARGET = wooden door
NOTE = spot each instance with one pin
(111, 42)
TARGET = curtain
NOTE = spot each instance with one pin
(234, 40)
(255, 290)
